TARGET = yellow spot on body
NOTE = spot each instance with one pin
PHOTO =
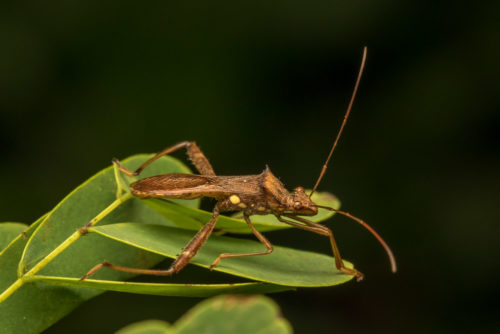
(242, 205)
(234, 199)
(261, 208)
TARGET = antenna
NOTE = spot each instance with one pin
(325, 166)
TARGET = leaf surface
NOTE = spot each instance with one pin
(8, 232)
(222, 315)
(234, 314)
(284, 266)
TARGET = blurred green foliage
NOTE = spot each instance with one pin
(223, 315)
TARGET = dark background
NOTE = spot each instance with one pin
(267, 83)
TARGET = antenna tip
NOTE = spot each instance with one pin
(394, 267)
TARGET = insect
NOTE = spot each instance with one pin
(260, 194)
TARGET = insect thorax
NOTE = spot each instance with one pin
(272, 197)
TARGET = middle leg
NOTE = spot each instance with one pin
(259, 236)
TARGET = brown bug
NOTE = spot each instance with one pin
(252, 194)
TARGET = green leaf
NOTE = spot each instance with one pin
(221, 315)
(148, 327)
(194, 219)
(8, 232)
(285, 266)
(9, 259)
(231, 314)
(164, 289)
(10, 256)
(44, 304)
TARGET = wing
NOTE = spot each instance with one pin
(187, 186)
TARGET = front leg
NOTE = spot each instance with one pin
(322, 230)
(194, 153)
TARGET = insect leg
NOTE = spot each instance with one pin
(180, 262)
(259, 236)
(323, 230)
(194, 153)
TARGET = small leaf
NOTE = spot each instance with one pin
(222, 315)
(234, 314)
(8, 232)
(284, 266)
(194, 219)
(148, 327)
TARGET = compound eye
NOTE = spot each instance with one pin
(297, 205)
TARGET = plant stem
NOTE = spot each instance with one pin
(10, 290)
(59, 249)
